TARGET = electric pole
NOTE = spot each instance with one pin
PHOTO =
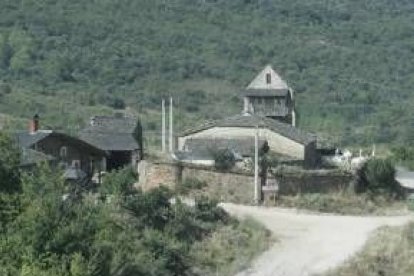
(163, 136)
(171, 126)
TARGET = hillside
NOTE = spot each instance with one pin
(349, 61)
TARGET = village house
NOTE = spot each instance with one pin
(69, 153)
(269, 111)
(118, 136)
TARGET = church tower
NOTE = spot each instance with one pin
(269, 95)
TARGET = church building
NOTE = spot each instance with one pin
(269, 109)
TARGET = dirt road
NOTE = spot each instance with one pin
(309, 243)
(405, 178)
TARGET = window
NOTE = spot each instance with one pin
(268, 78)
(63, 152)
(76, 164)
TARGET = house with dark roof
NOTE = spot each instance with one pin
(67, 152)
(283, 139)
(119, 136)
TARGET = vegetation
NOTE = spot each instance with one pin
(389, 252)
(377, 177)
(118, 182)
(189, 185)
(47, 229)
(349, 61)
(343, 203)
(376, 192)
(403, 155)
(221, 249)
(224, 159)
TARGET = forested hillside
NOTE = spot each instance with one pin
(350, 61)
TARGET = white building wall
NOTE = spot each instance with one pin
(277, 142)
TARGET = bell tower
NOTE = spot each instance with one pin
(269, 95)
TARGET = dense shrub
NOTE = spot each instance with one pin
(118, 182)
(377, 177)
(224, 159)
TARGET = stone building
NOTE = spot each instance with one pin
(116, 135)
(268, 95)
(69, 153)
(283, 139)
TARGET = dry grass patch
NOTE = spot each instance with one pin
(230, 249)
(343, 203)
(390, 252)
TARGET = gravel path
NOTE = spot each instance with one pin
(309, 243)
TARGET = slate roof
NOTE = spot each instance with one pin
(260, 81)
(30, 157)
(242, 146)
(253, 121)
(111, 133)
(112, 124)
(26, 140)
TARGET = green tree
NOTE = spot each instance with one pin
(9, 164)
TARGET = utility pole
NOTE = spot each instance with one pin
(257, 193)
(171, 126)
(163, 136)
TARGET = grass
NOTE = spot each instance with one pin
(343, 203)
(388, 253)
(230, 249)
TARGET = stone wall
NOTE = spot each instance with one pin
(152, 175)
(238, 186)
(233, 187)
(313, 181)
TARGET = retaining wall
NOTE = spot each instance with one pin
(237, 186)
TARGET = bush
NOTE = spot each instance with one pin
(224, 159)
(118, 182)
(377, 177)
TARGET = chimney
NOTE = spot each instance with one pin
(34, 124)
